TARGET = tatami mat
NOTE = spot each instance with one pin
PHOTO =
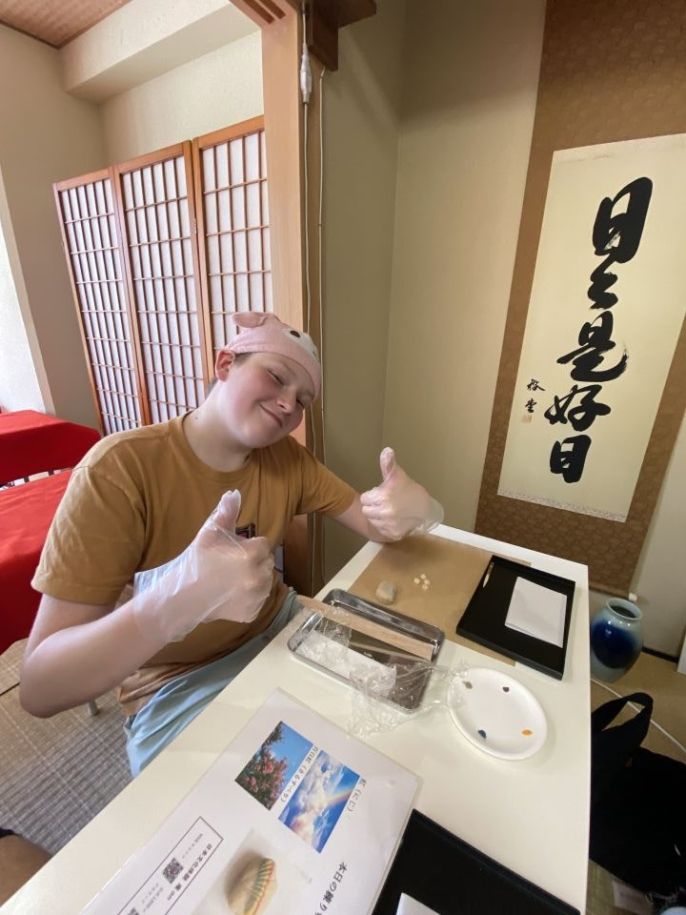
(57, 773)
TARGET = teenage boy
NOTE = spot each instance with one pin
(174, 506)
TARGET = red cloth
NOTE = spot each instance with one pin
(25, 515)
(32, 442)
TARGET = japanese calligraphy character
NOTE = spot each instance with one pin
(617, 235)
(530, 404)
(594, 340)
(570, 462)
(533, 385)
(581, 416)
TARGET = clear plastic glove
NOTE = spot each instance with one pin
(219, 576)
(399, 506)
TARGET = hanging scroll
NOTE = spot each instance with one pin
(607, 304)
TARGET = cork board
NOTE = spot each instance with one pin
(609, 72)
(453, 569)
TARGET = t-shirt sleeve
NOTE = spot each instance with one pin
(322, 490)
(95, 541)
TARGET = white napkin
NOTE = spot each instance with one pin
(410, 906)
(537, 611)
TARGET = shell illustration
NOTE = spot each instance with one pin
(253, 888)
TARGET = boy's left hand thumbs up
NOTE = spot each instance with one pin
(387, 463)
(398, 505)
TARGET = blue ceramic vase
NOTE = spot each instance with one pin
(616, 639)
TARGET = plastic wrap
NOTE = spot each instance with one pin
(388, 685)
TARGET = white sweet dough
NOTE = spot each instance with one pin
(386, 592)
(417, 581)
(255, 886)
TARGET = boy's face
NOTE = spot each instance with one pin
(262, 396)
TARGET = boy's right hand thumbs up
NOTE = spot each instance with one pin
(225, 515)
(218, 576)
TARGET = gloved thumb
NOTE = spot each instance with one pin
(225, 515)
(387, 463)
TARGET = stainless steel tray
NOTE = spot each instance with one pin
(408, 646)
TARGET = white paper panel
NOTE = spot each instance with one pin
(160, 247)
(88, 218)
(236, 230)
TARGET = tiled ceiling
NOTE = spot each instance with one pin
(55, 22)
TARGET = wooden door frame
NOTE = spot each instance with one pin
(281, 25)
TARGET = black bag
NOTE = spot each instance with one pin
(638, 803)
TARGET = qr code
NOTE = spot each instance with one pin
(172, 870)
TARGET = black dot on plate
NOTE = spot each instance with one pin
(506, 689)
(294, 333)
(482, 733)
(467, 684)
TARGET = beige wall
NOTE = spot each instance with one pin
(218, 89)
(143, 39)
(46, 135)
(361, 109)
(469, 99)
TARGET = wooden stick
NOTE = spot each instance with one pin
(407, 643)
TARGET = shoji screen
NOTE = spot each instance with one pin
(157, 204)
(230, 167)
(89, 232)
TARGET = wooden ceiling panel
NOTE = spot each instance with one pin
(55, 22)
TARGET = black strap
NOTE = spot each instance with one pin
(612, 748)
(606, 713)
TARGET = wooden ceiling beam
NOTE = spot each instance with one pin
(323, 20)
(263, 12)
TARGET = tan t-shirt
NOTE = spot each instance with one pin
(138, 499)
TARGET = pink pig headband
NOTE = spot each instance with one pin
(263, 332)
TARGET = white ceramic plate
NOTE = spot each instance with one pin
(497, 714)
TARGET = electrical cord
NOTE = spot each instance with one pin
(320, 222)
(305, 76)
(637, 709)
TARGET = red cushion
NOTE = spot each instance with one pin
(25, 515)
(32, 442)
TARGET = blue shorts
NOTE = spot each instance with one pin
(180, 700)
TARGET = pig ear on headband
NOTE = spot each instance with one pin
(246, 320)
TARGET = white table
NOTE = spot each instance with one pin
(531, 815)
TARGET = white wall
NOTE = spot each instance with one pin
(218, 89)
(45, 135)
(659, 581)
(19, 385)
